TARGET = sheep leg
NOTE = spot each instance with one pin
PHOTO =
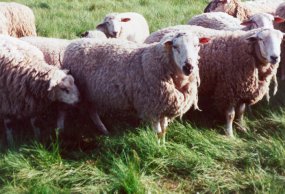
(163, 124)
(156, 126)
(60, 120)
(97, 122)
(230, 115)
(239, 117)
(37, 131)
(275, 84)
(9, 132)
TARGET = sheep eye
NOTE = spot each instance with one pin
(65, 90)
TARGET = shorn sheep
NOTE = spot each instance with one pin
(28, 85)
(19, 20)
(235, 67)
(52, 48)
(156, 82)
(242, 10)
(129, 25)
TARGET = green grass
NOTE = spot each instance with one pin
(196, 158)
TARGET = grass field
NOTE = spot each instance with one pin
(197, 156)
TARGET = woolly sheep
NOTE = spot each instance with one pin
(245, 78)
(52, 48)
(19, 20)
(280, 11)
(223, 21)
(242, 10)
(28, 85)
(157, 82)
(129, 25)
(94, 34)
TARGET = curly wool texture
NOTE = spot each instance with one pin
(20, 19)
(52, 48)
(117, 75)
(231, 73)
(24, 79)
(196, 30)
(217, 21)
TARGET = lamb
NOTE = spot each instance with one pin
(94, 34)
(129, 25)
(157, 82)
(280, 11)
(29, 85)
(223, 21)
(245, 78)
(19, 20)
(242, 10)
(52, 48)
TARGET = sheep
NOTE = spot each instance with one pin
(29, 85)
(242, 10)
(235, 67)
(52, 48)
(129, 25)
(280, 11)
(223, 21)
(20, 20)
(156, 82)
(94, 34)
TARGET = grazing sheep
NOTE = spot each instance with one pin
(20, 20)
(280, 11)
(28, 85)
(129, 25)
(52, 48)
(235, 67)
(156, 82)
(242, 10)
(94, 34)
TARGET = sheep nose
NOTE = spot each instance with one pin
(274, 59)
(115, 34)
(187, 69)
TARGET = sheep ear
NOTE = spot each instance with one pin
(278, 19)
(225, 1)
(102, 27)
(204, 40)
(84, 34)
(246, 23)
(125, 19)
(253, 38)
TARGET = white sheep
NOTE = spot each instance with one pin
(94, 34)
(236, 67)
(224, 21)
(29, 85)
(52, 48)
(156, 82)
(129, 25)
(20, 20)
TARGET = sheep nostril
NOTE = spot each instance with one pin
(274, 58)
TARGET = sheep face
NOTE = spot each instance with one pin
(63, 89)
(114, 25)
(184, 49)
(217, 6)
(260, 20)
(267, 45)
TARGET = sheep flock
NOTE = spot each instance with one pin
(224, 59)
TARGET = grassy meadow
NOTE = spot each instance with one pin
(197, 157)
